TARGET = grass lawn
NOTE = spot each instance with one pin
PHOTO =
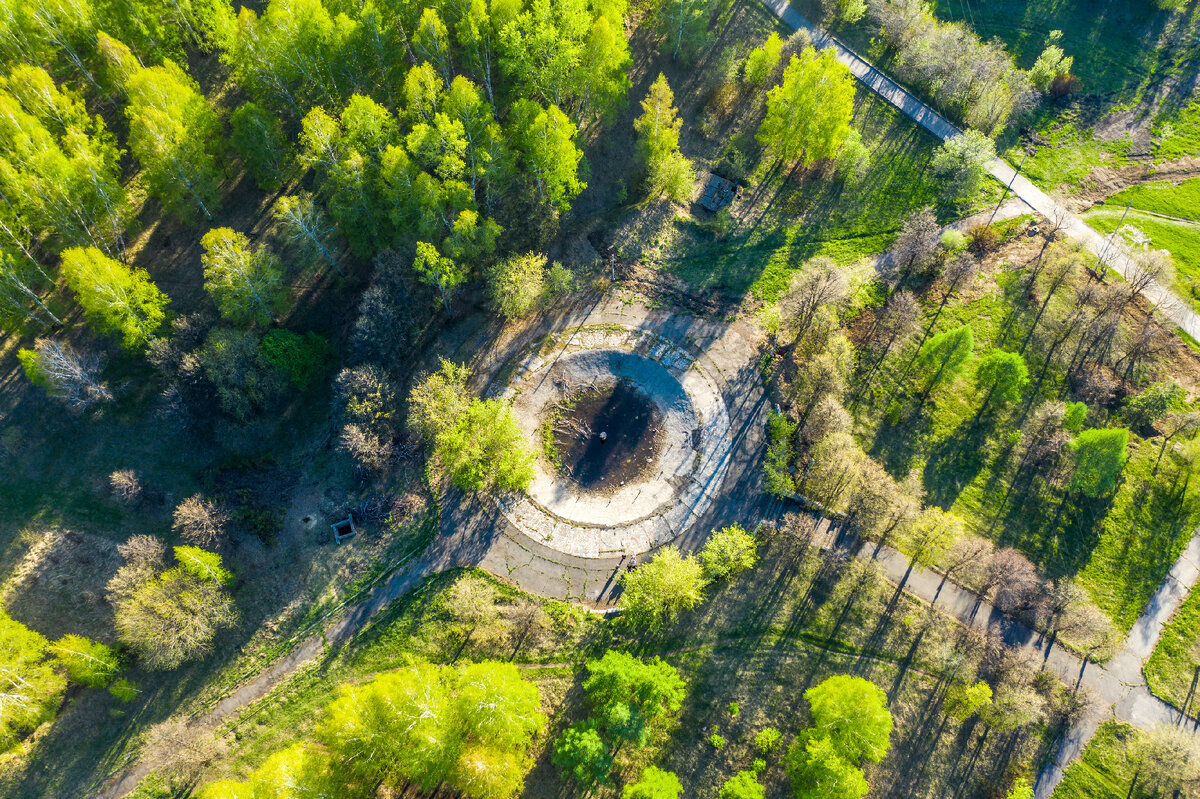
(1114, 43)
(783, 218)
(1105, 771)
(1171, 670)
(1067, 153)
(1182, 200)
(1119, 548)
(1181, 239)
(758, 641)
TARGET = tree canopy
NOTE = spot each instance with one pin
(809, 112)
(1100, 455)
(655, 593)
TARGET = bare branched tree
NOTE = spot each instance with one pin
(917, 244)
(126, 486)
(71, 375)
(201, 522)
(821, 283)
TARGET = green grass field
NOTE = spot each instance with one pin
(1106, 771)
(1118, 547)
(1171, 671)
(1181, 239)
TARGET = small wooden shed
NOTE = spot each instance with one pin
(718, 193)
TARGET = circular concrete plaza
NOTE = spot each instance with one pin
(641, 435)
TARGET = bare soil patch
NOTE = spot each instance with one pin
(607, 436)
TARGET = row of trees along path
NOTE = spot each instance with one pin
(1122, 680)
(1111, 251)
(1116, 689)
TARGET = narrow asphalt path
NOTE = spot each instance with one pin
(1108, 248)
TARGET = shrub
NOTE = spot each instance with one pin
(734, 709)
(777, 476)
(301, 359)
(767, 740)
(983, 239)
(717, 741)
(953, 240)
(743, 785)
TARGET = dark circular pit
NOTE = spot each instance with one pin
(633, 428)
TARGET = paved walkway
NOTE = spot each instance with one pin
(1113, 252)
(1117, 689)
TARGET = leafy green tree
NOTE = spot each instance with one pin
(564, 54)
(819, 771)
(930, 536)
(729, 552)
(304, 227)
(293, 56)
(943, 356)
(581, 754)
(809, 112)
(438, 270)
(667, 171)
(854, 159)
(246, 284)
(743, 785)
(961, 164)
(301, 359)
(655, 593)
(299, 770)
(30, 688)
(86, 662)
(845, 12)
(59, 173)
(484, 449)
(20, 300)
(544, 142)
(238, 372)
(258, 137)
(1146, 408)
(469, 728)
(115, 297)
(439, 400)
(763, 60)
(963, 701)
(519, 284)
(1021, 790)
(1052, 64)
(1003, 374)
(852, 714)
(172, 616)
(1074, 416)
(627, 695)
(174, 133)
(1100, 455)
(654, 784)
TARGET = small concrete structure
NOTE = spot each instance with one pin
(343, 529)
(718, 193)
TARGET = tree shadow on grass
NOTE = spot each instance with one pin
(900, 439)
(955, 461)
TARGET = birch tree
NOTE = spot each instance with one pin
(67, 374)
(304, 227)
(174, 132)
(667, 170)
(809, 112)
(115, 297)
(30, 688)
(245, 283)
(544, 141)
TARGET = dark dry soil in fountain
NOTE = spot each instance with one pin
(634, 427)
